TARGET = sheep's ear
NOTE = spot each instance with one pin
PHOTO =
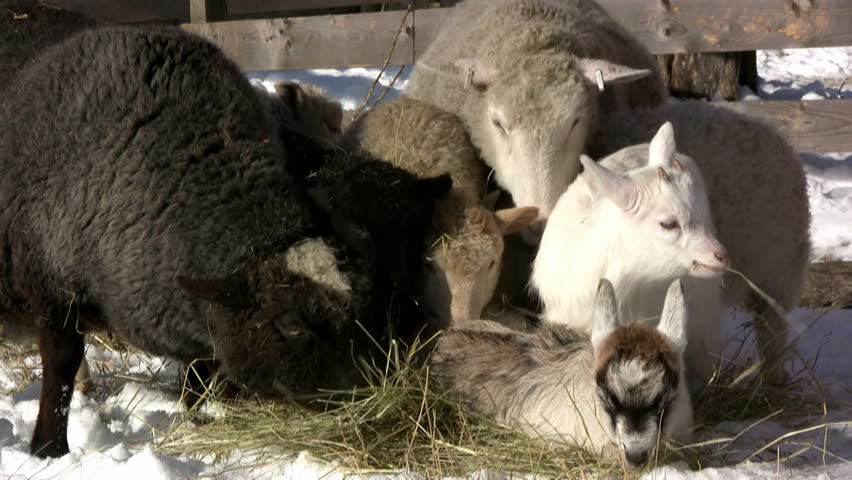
(673, 319)
(321, 197)
(351, 233)
(468, 71)
(232, 291)
(605, 313)
(433, 187)
(662, 150)
(612, 73)
(481, 73)
(513, 220)
(491, 199)
(290, 93)
(617, 188)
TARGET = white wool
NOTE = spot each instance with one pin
(314, 259)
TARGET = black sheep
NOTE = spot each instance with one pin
(27, 27)
(138, 160)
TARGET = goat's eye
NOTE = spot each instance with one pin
(670, 225)
(499, 126)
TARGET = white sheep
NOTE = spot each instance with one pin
(758, 201)
(466, 244)
(620, 388)
(521, 75)
(641, 230)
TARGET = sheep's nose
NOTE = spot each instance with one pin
(636, 459)
(722, 256)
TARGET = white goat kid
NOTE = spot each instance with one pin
(641, 230)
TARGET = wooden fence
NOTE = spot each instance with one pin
(263, 43)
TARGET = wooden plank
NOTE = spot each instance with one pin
(127, 11)
(665, 26)
(812, 126)
(685, 25)
(202, 11)
(253, 7)
(351, 40)
(828, 283)
(679, 26)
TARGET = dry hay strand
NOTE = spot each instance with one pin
(21, 362)
(395, 423)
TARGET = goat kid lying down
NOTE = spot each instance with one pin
(618, 390)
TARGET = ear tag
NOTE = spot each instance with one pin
(599, 78)
(468, 78)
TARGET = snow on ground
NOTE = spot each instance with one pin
(116, 437)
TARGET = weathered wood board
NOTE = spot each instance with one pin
(665, 26)
(828, 282)
(812, 126)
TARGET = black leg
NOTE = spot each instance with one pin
(198, 376)
(61, 349)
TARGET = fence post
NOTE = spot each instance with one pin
(703, 75)
(203, 11)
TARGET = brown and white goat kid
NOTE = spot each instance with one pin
(621, 389)
(640, 230)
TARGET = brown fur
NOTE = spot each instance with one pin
(636, 340)
(469, 235)
(423, 139)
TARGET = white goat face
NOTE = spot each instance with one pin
(637, 371)
(663, 212)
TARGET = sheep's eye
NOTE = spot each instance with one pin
(491, 265)
(499, 126)
(670, 225)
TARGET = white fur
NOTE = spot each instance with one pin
(758, 199)
(607, 225)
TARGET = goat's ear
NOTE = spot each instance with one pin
(605, 313)
(612, 73)
(619, 189)
(662, 150)
(433, 187)
(513, 220)
(232, 291)
(673, 319)
(290, 93)
(491, 199)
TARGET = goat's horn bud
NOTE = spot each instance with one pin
(663, 175)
